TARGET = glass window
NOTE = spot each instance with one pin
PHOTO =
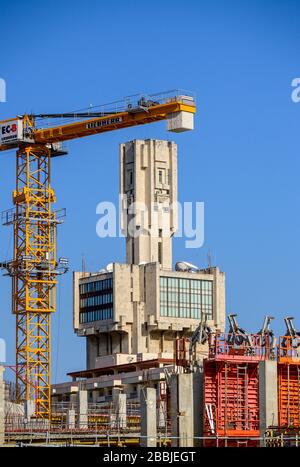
(160, 177)
(185, 298)
(98, 304)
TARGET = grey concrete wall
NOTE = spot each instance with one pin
(148, 417)
(268, 395)
(124, 277)
(91, 351)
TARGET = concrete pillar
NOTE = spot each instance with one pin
(2, 406)
(29, 409)
(162, 414)
(70, 420)
(95, 396)
(198, 381)
(182, 410)
(268, 395)
(148, 417)
(82, 409)
(161, 410)
(73, 400)
(120, 408)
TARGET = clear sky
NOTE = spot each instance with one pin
(242, 160)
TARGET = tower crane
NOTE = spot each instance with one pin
(34, 268)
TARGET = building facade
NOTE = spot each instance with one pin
(148, 186)
(143, 309)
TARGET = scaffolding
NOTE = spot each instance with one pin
(103, 420)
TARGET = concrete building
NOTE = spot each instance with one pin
(131, 314)
(140, 310)
(148, 185)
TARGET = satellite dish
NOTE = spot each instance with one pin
(184, 266)
(109, 267)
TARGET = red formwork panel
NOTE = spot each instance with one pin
(231, 394)
(231, 401)
(288, 395)
(288, 382)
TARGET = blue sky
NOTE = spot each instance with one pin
(242, 160)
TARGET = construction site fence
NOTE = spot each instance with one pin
(62, 408)
(101, 420)
(81, 438)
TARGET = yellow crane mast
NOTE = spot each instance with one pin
(34, 267)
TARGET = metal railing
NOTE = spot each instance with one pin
(128, 103)
(160, 440)
(289, 349)
(229, 345)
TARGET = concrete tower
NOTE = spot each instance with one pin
(148, 184)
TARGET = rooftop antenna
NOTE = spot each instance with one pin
(83, 264)
(209, 262)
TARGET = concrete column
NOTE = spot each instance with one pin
(120, 408)
(268, 395)
(148, 417)
(2, 406)
(162, 414)
(161, 410)
(82, 409)
(95, 395)
(182, 410)
(70, 420)
(198, 381)
(29, 409)
(74, 400)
